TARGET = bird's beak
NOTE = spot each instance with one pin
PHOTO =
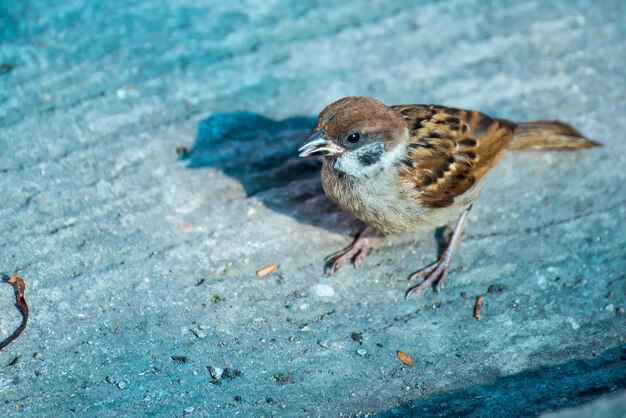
(318, 146)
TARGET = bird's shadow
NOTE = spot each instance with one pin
(262, 154)
(528, 393)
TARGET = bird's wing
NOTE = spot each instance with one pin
(450, 149)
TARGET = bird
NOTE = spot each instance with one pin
(414, 168)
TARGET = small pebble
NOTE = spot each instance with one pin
(322, 343)
(189, 409)
(323, 290)
(572, 323)
(361, 352)
(109, 379)
(231, 373)
(122, 385)
(216, 372)
(620, 310)
(609, 307)
(199, 333)
(357, 337)
(495, 288)
(541, 280)
(283, 378)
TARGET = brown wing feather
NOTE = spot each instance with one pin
(450, 149)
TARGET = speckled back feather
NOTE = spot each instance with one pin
(450, 150)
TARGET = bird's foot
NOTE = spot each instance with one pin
(355, 252)
(436, 273)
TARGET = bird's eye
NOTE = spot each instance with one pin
(353, 138)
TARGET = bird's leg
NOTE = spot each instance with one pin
(355, 252)
(437, 272)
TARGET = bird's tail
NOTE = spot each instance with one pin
(548, 135)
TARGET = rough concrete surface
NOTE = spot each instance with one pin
(140, 265)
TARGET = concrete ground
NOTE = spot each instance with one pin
(140, 265)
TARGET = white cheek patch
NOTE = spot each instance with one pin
(367, 160)
(349, 163)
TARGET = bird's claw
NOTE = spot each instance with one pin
(436, 273)
(335, 261)
(354, 253)
(423, 272)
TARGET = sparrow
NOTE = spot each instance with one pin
(415, 168)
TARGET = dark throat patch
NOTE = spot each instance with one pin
(372, 155)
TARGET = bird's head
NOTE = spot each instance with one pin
(356, 135)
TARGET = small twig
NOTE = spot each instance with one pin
(477, 307)
(404, 358)
(266, 271)
(20, 303)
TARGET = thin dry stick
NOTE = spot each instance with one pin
(20, 303)
(267, 270)
(477, 307)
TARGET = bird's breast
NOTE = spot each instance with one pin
(377, 200)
